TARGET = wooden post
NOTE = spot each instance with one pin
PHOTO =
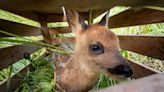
(44, 28)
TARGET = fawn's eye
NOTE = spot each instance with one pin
(96, 49)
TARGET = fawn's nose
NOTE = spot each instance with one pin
(124, 70)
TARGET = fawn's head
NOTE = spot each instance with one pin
(97, 47)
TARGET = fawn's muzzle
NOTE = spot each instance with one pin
(123, 70)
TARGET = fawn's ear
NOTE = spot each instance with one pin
(76, 23)
(104, 20)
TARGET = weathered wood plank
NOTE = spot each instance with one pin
(18, 29)
(12, 54)
(134, 17)
(28, 8)
(15, 81)
(59, 30)
(152, 46)
(55, 18)
(131, 17)
(154, 83)
(62, 40)
(52, 6)
(84, 15)
(60, 18)
(140, 70)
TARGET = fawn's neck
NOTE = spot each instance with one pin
(77, 76)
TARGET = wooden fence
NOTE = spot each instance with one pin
(152, 46)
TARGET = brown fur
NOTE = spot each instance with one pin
(83, 68)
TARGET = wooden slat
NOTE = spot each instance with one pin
(18, 29)
(83, 15)
(15, 81)
(55, 18)
(27, 8)
(62, 40)
(59, 30)
(154, 83)
(140, 70)
(59, 17)
(134, 17)
(52, 6)
(152, 46)
(44, 28)
(12, 54)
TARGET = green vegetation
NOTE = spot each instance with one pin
(40, 77)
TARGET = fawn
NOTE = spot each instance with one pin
(96, 52)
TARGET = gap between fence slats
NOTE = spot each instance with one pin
(18, 29)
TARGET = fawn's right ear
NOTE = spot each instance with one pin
(75, 22)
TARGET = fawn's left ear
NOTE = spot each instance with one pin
(104, 20)
(76, 23)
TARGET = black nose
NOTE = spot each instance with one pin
(121, 70)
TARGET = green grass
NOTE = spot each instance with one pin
(149, 29)
(40, 79)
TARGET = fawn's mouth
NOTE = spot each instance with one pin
(122, 71)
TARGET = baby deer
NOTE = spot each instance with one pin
(96, 52)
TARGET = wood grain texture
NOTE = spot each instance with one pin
(152, 46)
(154, 83)
(59, 30)
(27, 8)
(62, 40)
(131, 17)
(61, 18)
(51, 6)
(138, 16)
(18, 29)
(83, 15)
